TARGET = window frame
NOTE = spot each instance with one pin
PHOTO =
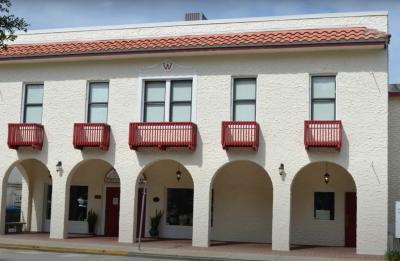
(234, 102)
(172, 102)
(87, 203)
(145, 102)
(321, 100)
(25, 105)
(183, 227)
(89, 96)
(332, 216)
(168, 79)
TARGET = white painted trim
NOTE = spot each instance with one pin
(168, 79)
(205, 22)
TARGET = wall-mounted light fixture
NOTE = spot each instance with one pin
(178, 175)
(59, 168)
(281, 169)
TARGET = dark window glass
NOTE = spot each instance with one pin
(323, 98)
(98, 102)
(244, 99)
(78, 199)
(33, 103)
(48, 203)
(324, 205)
(180, 207)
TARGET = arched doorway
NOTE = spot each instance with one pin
(169, 190)
(94, 191)
(323, 206)
(241, 207)
(26, 188)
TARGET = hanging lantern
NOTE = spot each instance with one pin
(326, 178)
(178, 175)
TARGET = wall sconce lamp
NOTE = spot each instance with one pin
(281, 169)
(59, 167)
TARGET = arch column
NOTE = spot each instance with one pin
(201, 208)
(127, 212)
(59, 207)
(281, 210)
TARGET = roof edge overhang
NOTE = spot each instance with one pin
(189, 51)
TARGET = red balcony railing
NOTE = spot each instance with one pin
(240, 134)
(323, 134)
(91, 135)
(25, 135)
(162, 135)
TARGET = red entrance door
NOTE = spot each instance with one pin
(139, 212)
(351, 219)
(112, 212)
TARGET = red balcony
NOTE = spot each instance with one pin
(321, 134)
(95, 135)
(240, 134)
(162, 135)
(25, 135)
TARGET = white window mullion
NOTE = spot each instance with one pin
(167, 101)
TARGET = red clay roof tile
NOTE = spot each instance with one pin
(268, 39)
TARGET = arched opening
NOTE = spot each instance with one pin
(94, 198)
(241, 204)
(26, 186)
(323, 206)
(169, 189)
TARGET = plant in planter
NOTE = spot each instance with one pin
(155, 222)
(92, 220)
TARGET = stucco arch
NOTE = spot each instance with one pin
(241, 203)
(307, 188)
(35, 175)
(76, 167)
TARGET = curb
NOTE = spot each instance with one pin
(185, 257)
(93, 251)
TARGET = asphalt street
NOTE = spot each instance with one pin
(22, 255)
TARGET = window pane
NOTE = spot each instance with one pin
(48, 203)
(181, 112)
(98, 113)
(181, 90)
(324, 205)
(244, 112)
(155, 91)
(78, 199)
(324, 111)
(154, 113)
(180, 207)
(34, 93)
(99, 92)
(323, 87)
(245, 89)
(33, 114)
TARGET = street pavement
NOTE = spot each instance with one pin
(22, 255)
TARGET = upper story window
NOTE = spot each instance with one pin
(33, 103)
(323, 97)
(244, 99)
(169, 100)
(98, 102)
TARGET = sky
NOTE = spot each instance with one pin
(45, 14)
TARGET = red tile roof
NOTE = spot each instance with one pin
(268, 39)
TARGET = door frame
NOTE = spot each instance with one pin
(345, 218)
(104, 204)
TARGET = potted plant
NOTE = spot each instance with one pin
(155, 222)
(92, 220)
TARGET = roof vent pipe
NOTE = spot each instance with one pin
(195, 16)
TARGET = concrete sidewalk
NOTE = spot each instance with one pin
(170, 249)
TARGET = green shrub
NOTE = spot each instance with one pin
(392, 255)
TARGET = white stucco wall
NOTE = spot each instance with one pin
(283, 91)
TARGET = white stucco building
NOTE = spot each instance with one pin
(271, 130)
